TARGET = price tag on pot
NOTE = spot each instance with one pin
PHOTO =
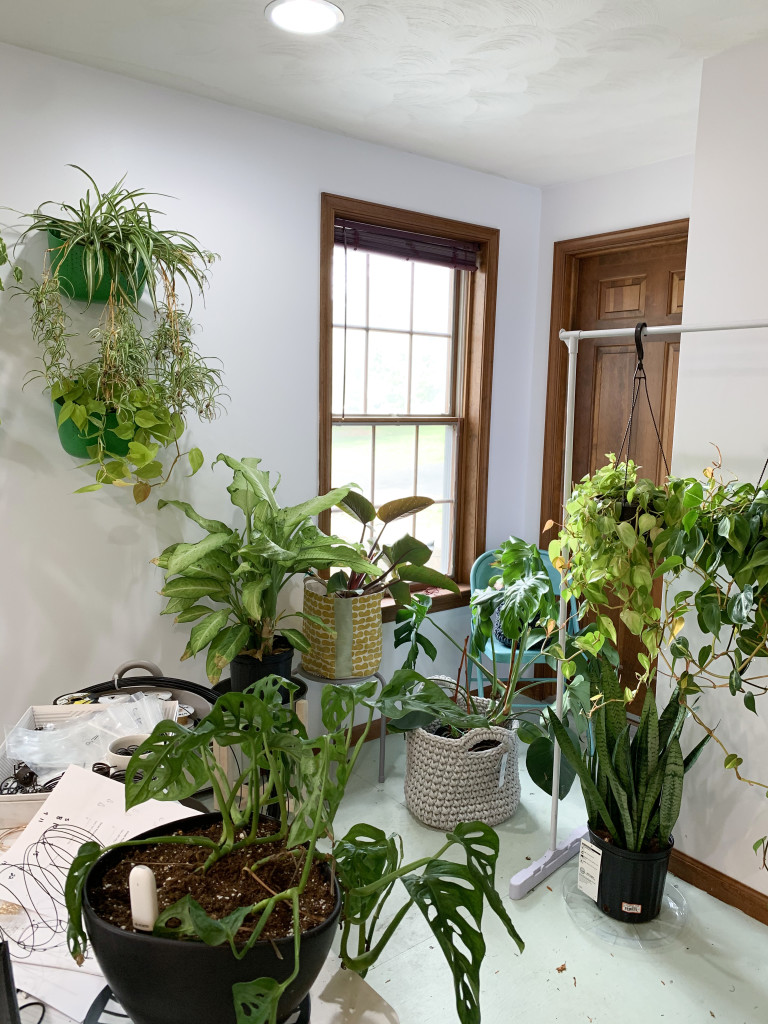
(589, 869)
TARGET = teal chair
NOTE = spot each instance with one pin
(479, 577)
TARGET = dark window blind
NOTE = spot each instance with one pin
(408, 245)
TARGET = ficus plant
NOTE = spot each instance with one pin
(391, 567)
(284, 768)
(230, 581)
(131, 400)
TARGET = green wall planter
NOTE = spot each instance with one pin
(72, 278)
(75, 442)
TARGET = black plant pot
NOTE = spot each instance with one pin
(245, 670)
(173, 981)
(631, 884)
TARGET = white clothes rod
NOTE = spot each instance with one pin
(629, 332)
(556, 855)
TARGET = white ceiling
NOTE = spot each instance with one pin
(540, 91)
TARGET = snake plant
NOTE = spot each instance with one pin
(632, 785)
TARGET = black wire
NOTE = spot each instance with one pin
(26, 1006)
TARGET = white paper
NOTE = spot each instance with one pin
(589, 868)
(84, 806)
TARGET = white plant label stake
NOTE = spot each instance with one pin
(142, 887)
(589, 869)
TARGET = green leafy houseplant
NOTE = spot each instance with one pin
(405, 561)
(282, 764)
(708, 538)
(243, 570)
(134, 396)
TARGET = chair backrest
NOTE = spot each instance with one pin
(483, 569)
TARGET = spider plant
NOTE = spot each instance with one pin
(132, 397)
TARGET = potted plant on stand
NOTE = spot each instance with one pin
(461, 749)
(244, 570)
(346, 638)
(118, 408)
(248, 952)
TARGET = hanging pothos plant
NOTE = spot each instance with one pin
(132, 398)
(708, 539)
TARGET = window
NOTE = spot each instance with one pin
(405, 369)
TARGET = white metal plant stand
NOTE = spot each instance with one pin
(556, 855)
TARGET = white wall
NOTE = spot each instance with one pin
(648, 195)
(721, 398)
(78, 593)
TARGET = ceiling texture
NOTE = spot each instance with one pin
(540, 91)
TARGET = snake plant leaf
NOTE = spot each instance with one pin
(693, 756)
(619, 794)
(401, 507)
(256, 1001)
(591, 794)
(357, 506)
(671, 791)
(452, 905)
(481, 846)
(622, 763)
(668, 717)
(613, 699)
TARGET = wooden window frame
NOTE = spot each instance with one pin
(474, 435)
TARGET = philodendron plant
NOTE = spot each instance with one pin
(282, 768)
(244, 569)
(404, 562)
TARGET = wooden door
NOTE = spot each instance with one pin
(606, 282)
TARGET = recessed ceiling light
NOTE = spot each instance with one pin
(308, 17)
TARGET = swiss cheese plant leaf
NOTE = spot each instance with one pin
(256, 1001)
(166, 766)
(452, 904)
(187, 919)
(363, 856)
(481, 846)
(87, 855)
(400, 507)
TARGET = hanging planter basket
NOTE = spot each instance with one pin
(472, 778)
(68, 264)
(355, 650)
(631, 883)
(75, 442)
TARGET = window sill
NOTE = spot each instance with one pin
(442, 600)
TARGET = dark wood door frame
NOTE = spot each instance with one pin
(565, 281)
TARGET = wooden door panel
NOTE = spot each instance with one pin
(619, 287)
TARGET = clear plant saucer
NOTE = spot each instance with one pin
(663, 931)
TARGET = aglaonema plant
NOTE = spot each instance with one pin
(304, 779)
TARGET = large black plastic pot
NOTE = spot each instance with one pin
(245, 670)
(173, 981)
(631, 884)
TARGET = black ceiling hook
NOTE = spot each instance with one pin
(639, 328)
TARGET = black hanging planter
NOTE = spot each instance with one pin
(173, 981)
(631, 883)
(245, 670)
